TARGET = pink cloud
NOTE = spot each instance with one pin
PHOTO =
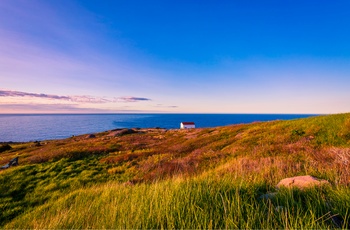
(77, 99)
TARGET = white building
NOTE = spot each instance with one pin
(187, 125)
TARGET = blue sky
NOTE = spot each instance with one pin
(70, 56)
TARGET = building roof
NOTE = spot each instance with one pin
(187, 123)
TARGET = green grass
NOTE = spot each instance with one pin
(202, 178)
(193, 203)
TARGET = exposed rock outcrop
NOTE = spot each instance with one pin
(91, 136)
(121, 132)
(13, 162)
(301, 182)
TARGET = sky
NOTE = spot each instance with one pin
(113, 56)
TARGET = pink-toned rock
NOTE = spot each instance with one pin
(301, 182)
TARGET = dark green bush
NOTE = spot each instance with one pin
(298, 132)
(5, 147)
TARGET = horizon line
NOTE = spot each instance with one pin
(126, 113)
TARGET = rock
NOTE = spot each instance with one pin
(90, 136)
(36, 144)
(301, 182)
(13, 162)
(339, 221)
(128, 183)
(121, 132)
(279, 208)
(268, 196)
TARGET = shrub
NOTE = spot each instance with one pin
(5, 147)
(298, 132)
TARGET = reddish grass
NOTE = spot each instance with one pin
(273, 149)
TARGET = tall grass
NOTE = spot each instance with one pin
(195, 203)
(26, 187)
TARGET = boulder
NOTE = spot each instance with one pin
(118, 133)
(90, 136)
(301, 182)
(13, 162)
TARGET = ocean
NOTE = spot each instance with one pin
(21, 128)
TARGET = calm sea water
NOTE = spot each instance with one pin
(20, 128)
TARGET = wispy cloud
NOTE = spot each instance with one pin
(133, 99)
(166, 106)
(57, 108)
(62, 108)
(76, 99)
(10, 93)
(44, 108)
(12, 101)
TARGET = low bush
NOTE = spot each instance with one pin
(5, 147)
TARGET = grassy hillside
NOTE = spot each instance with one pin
(200, 178)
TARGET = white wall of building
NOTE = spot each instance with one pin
(187, 126)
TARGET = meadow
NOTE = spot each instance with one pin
(200, 178)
